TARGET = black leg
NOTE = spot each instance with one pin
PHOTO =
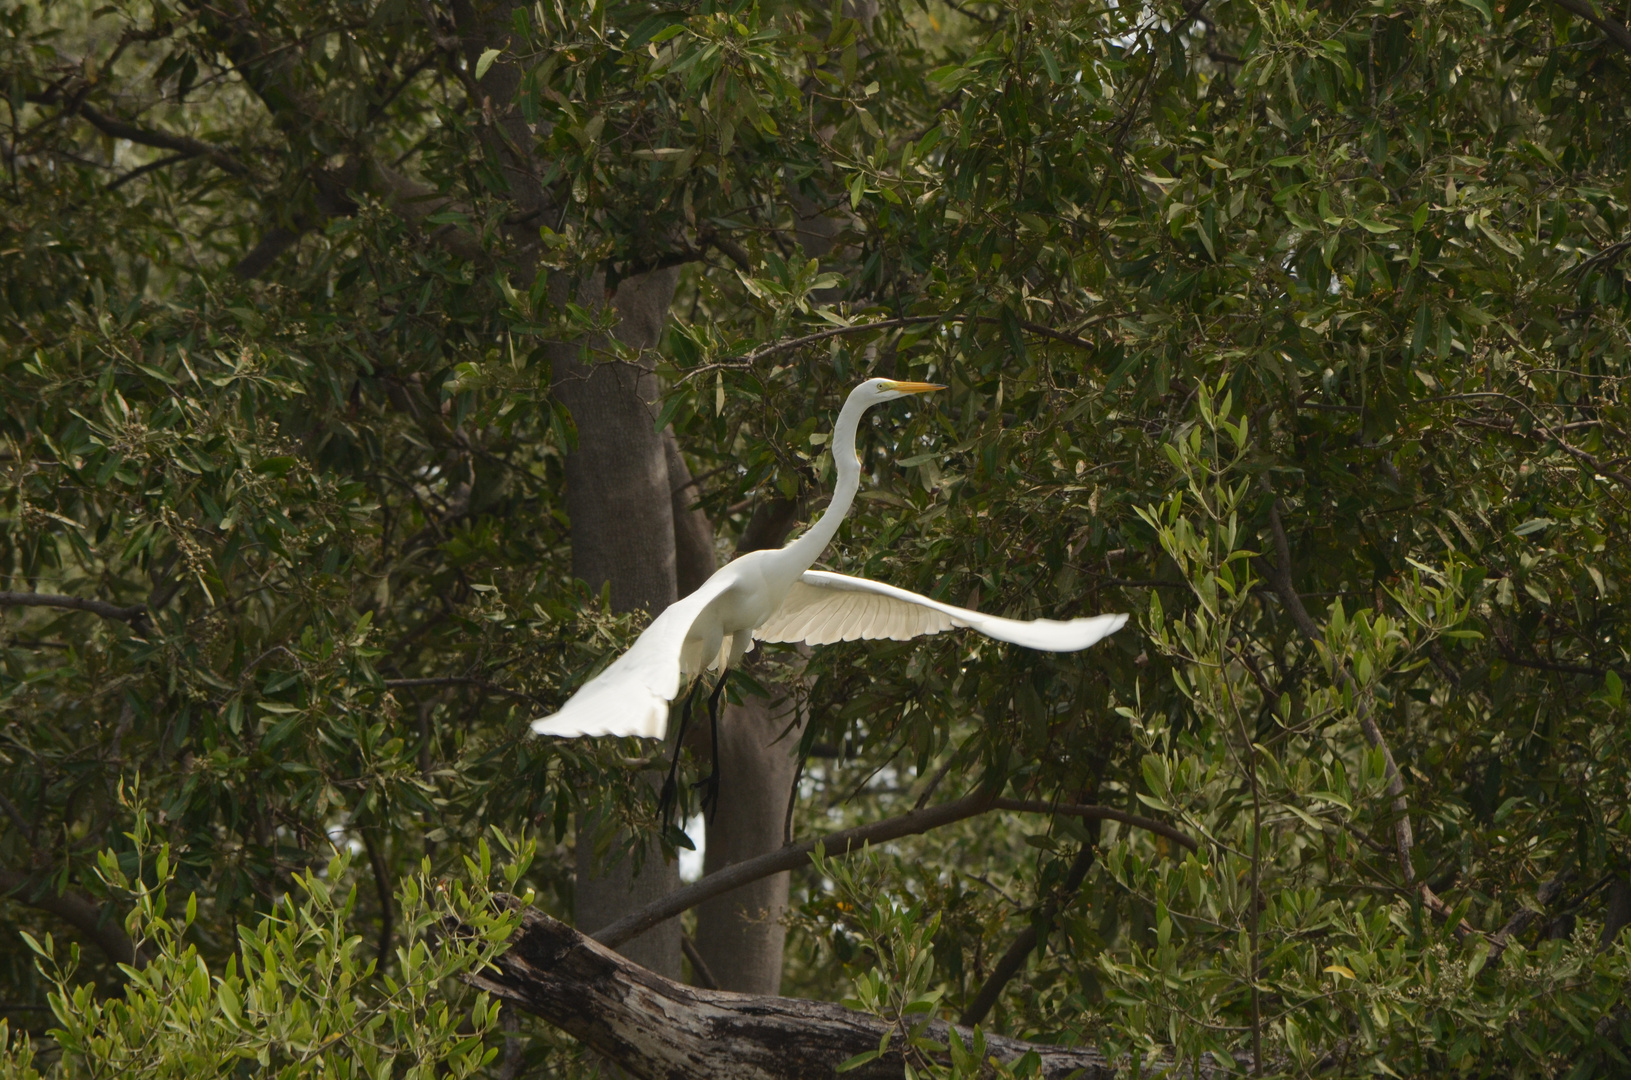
(710, 797)
(665, 801)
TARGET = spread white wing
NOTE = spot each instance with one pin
(824, 607)
(631, 696)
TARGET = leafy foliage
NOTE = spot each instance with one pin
(278, 303)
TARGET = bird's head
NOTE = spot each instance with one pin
(874, 391)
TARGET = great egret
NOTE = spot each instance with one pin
(775, 596)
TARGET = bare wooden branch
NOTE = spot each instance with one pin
(846, 841)
(790, 858)
(458, 680)
(113, 127)
(163, 140)
(102, 927)
(657, 1029)
(135, 614)
(1615, 31)
(1525, 916)
(699, 967)
(1099, 813)
(1279, 574)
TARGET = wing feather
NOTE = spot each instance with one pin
(632, 695)
(823, 607)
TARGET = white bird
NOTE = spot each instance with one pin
(775, 596)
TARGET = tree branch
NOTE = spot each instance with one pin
(657, 1029)
(163, 140)
(459, 680)
(95, 922)
(382, 888)
(1614, 30)
(699, 967)
(1279, 577)
(143, 170)
(1523, 917)
(1099, 813)
(846, 841)
(135, 614)
(790, 858)
(747, 360)
(115, 128)
(267, 250)
(1012, 960)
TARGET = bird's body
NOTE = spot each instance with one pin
(774, 596)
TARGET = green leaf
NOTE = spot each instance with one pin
(850, 1064)
(485, 61)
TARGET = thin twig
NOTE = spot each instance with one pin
(699, 966)
(163, 140)
(458, 680)
(788, 344)
(382, 886)
(78, 911)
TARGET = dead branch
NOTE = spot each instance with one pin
(657, 1029)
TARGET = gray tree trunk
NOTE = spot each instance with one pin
(741, 934)
(694, 558)
(620, 499)
(633, 524)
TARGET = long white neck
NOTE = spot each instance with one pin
(808, 548)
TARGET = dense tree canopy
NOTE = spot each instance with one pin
(373, 371)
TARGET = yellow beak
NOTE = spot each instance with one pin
(914, 387)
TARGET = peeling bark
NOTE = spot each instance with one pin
(658, 1029)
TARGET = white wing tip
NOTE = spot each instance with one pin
(649, 722)
(1072, 635)
(1103, 626)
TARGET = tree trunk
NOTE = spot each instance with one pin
(618, 493)
(620, 500)
(658, 1029)
(741, 934)
(694, 559)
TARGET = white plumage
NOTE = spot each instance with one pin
(632, 695)
(823, 607)
(774, 596)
